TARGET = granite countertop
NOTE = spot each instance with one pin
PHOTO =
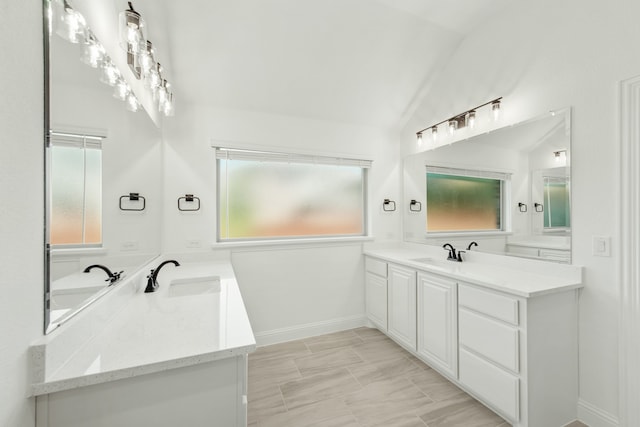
(159, 331)
(533, 279)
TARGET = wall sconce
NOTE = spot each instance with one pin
(522, 207)
(462, 120)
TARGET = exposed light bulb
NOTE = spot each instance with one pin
(168, 107)
(72, 26)
(419, 137)
(110, 74)
(471, 119)
(495, 109)
(132, 102)
(453, 125)
(132, 31)
(434, 133)
(146, 60)
(93, 53)
(121, 90)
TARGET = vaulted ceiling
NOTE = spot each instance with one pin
(357, 61)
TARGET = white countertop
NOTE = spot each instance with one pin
(533, 279)
(156, 332)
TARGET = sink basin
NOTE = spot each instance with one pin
(427, 260)
(194, 286)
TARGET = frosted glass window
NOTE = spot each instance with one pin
(76, 194)
(463, 203)
(262, 199)
(557, 199)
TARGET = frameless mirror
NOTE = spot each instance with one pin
(509, 190)
(103, 198)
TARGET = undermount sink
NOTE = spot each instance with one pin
(193, 286)
(427, 260)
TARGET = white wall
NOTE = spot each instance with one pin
(541, 56)
(284, 288)
(21, 209)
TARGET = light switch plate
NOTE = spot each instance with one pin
(602, 245)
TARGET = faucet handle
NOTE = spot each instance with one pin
(460, 255)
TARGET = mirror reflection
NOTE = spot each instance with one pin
(103, 166)
(508, 190)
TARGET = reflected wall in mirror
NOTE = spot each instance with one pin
(98, 152)
(509, 190)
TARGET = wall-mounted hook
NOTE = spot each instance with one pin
(539, 207)
(415, 206)
(522, 207)
(185, 203)
(388, 205)
(135, 198)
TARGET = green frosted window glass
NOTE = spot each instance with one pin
(462, 203)
(76, 195)
(557, 209)
(259, 200)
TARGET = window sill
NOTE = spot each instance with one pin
(62, 252)
(316, 241)
(469, 234)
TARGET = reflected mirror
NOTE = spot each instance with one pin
(103, 198)
(509, 190)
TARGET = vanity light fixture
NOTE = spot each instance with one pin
(558, 155)
(462, 120)
(71, 24)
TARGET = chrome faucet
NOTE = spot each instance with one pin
(152, 283)
(113, 277)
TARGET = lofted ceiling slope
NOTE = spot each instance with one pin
(355, 61)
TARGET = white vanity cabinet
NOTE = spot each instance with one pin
(507, 337)
(437, 325)
(376, 292)
(401, 288)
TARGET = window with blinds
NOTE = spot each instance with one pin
(465, 200)
(75, 186)
(266, 195)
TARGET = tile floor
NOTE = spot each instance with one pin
(355, 378)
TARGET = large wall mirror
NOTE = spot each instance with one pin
(509, 190)
(99, 156)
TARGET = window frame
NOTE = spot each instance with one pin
(260, 154)
(505, 199)
(83, 141)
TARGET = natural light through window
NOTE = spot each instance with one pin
(273, 196)
(464, 200)
(76, 190)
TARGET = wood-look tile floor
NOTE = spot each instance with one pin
(354, 378)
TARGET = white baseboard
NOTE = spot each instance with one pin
(297, 332)
(594, 416)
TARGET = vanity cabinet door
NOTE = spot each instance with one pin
(437, 322)
(376, 300)
(402, 305)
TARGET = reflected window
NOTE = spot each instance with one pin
(272, 195)
(75, 179)
(465, 200)
(557, 198)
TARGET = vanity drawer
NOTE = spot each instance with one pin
(375, 266)
(492, 339)
(492, 304)
(494, 385)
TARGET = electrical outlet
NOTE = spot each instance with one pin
(601, 245)
(195, 243)
(129, 245)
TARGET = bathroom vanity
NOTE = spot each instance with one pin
(177, 356)
(501, 328)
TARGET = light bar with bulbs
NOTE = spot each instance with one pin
(459, 121)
